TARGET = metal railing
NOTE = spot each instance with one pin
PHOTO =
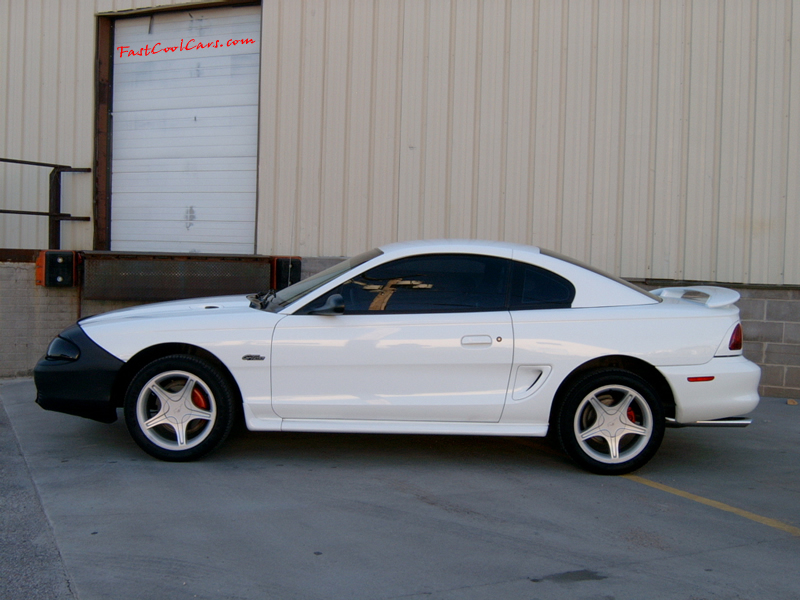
(54, 215)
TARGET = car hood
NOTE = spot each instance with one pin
(217, 305)
(224, 326)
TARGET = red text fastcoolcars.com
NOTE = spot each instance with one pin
(192, 44)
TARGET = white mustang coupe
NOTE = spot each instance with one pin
(439, 337)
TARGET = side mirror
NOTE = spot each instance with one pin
(333, 306)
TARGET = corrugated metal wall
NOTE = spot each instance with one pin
(47, 67)
(651, 138)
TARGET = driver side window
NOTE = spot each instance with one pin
(432, 283)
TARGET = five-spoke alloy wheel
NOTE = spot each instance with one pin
(611, 422)
(179, 408)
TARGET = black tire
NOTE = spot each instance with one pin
(179, 408)
(622, 410)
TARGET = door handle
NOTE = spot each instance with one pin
(476, 340)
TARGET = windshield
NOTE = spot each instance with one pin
(288, 295)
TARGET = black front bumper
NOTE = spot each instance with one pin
(81, 387)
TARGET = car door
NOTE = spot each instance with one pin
(423, 338)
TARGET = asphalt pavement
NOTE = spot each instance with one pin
(84, 514)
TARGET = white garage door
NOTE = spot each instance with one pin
(185, 130)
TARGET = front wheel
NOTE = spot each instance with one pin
(611, 422)
(179, 408)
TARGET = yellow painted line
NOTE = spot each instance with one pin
(719, 505)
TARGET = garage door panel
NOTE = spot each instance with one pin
(187, 66)
(175, 117)
(140, 136)
(230, 165)
(192, 211)
(223, 200)
(190, 29)
(247, 138)
(177, 245)
(164, 182)
(212, 151)
(175, 22)
(206, 236)
(145, 139)
(188, 86)
(208, 99)
(164, 127)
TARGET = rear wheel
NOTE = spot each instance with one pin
(611, 422)
(179, 408)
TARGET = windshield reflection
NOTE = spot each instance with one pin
(291, 294)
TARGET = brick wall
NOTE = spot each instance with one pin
(30, 316)
(771, 325)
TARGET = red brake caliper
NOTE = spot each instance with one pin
(631, 415)
(200, 401)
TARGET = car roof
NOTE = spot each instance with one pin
(457, 245)
(593, 287)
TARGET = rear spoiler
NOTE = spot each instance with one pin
(711, 296)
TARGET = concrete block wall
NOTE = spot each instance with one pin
(30, 316)
(771, 326)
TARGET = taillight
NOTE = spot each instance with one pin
(736, 338)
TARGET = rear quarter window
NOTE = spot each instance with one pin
(535, 288)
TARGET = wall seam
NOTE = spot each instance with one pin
(277, 141)
(623, 126)
(592, 133)
(398, 118)
(530, 207)
(450, 104)
(423, 134)
(652, 151)
(787, 103)
(686, 108)
(373, 75)
(476, 123)
(717, 166)
(562, 124)
(501, 221)
(347, 124)
(751, 124)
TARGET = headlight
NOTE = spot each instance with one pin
(62, 349)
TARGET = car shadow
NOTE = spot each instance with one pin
(392, 449)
